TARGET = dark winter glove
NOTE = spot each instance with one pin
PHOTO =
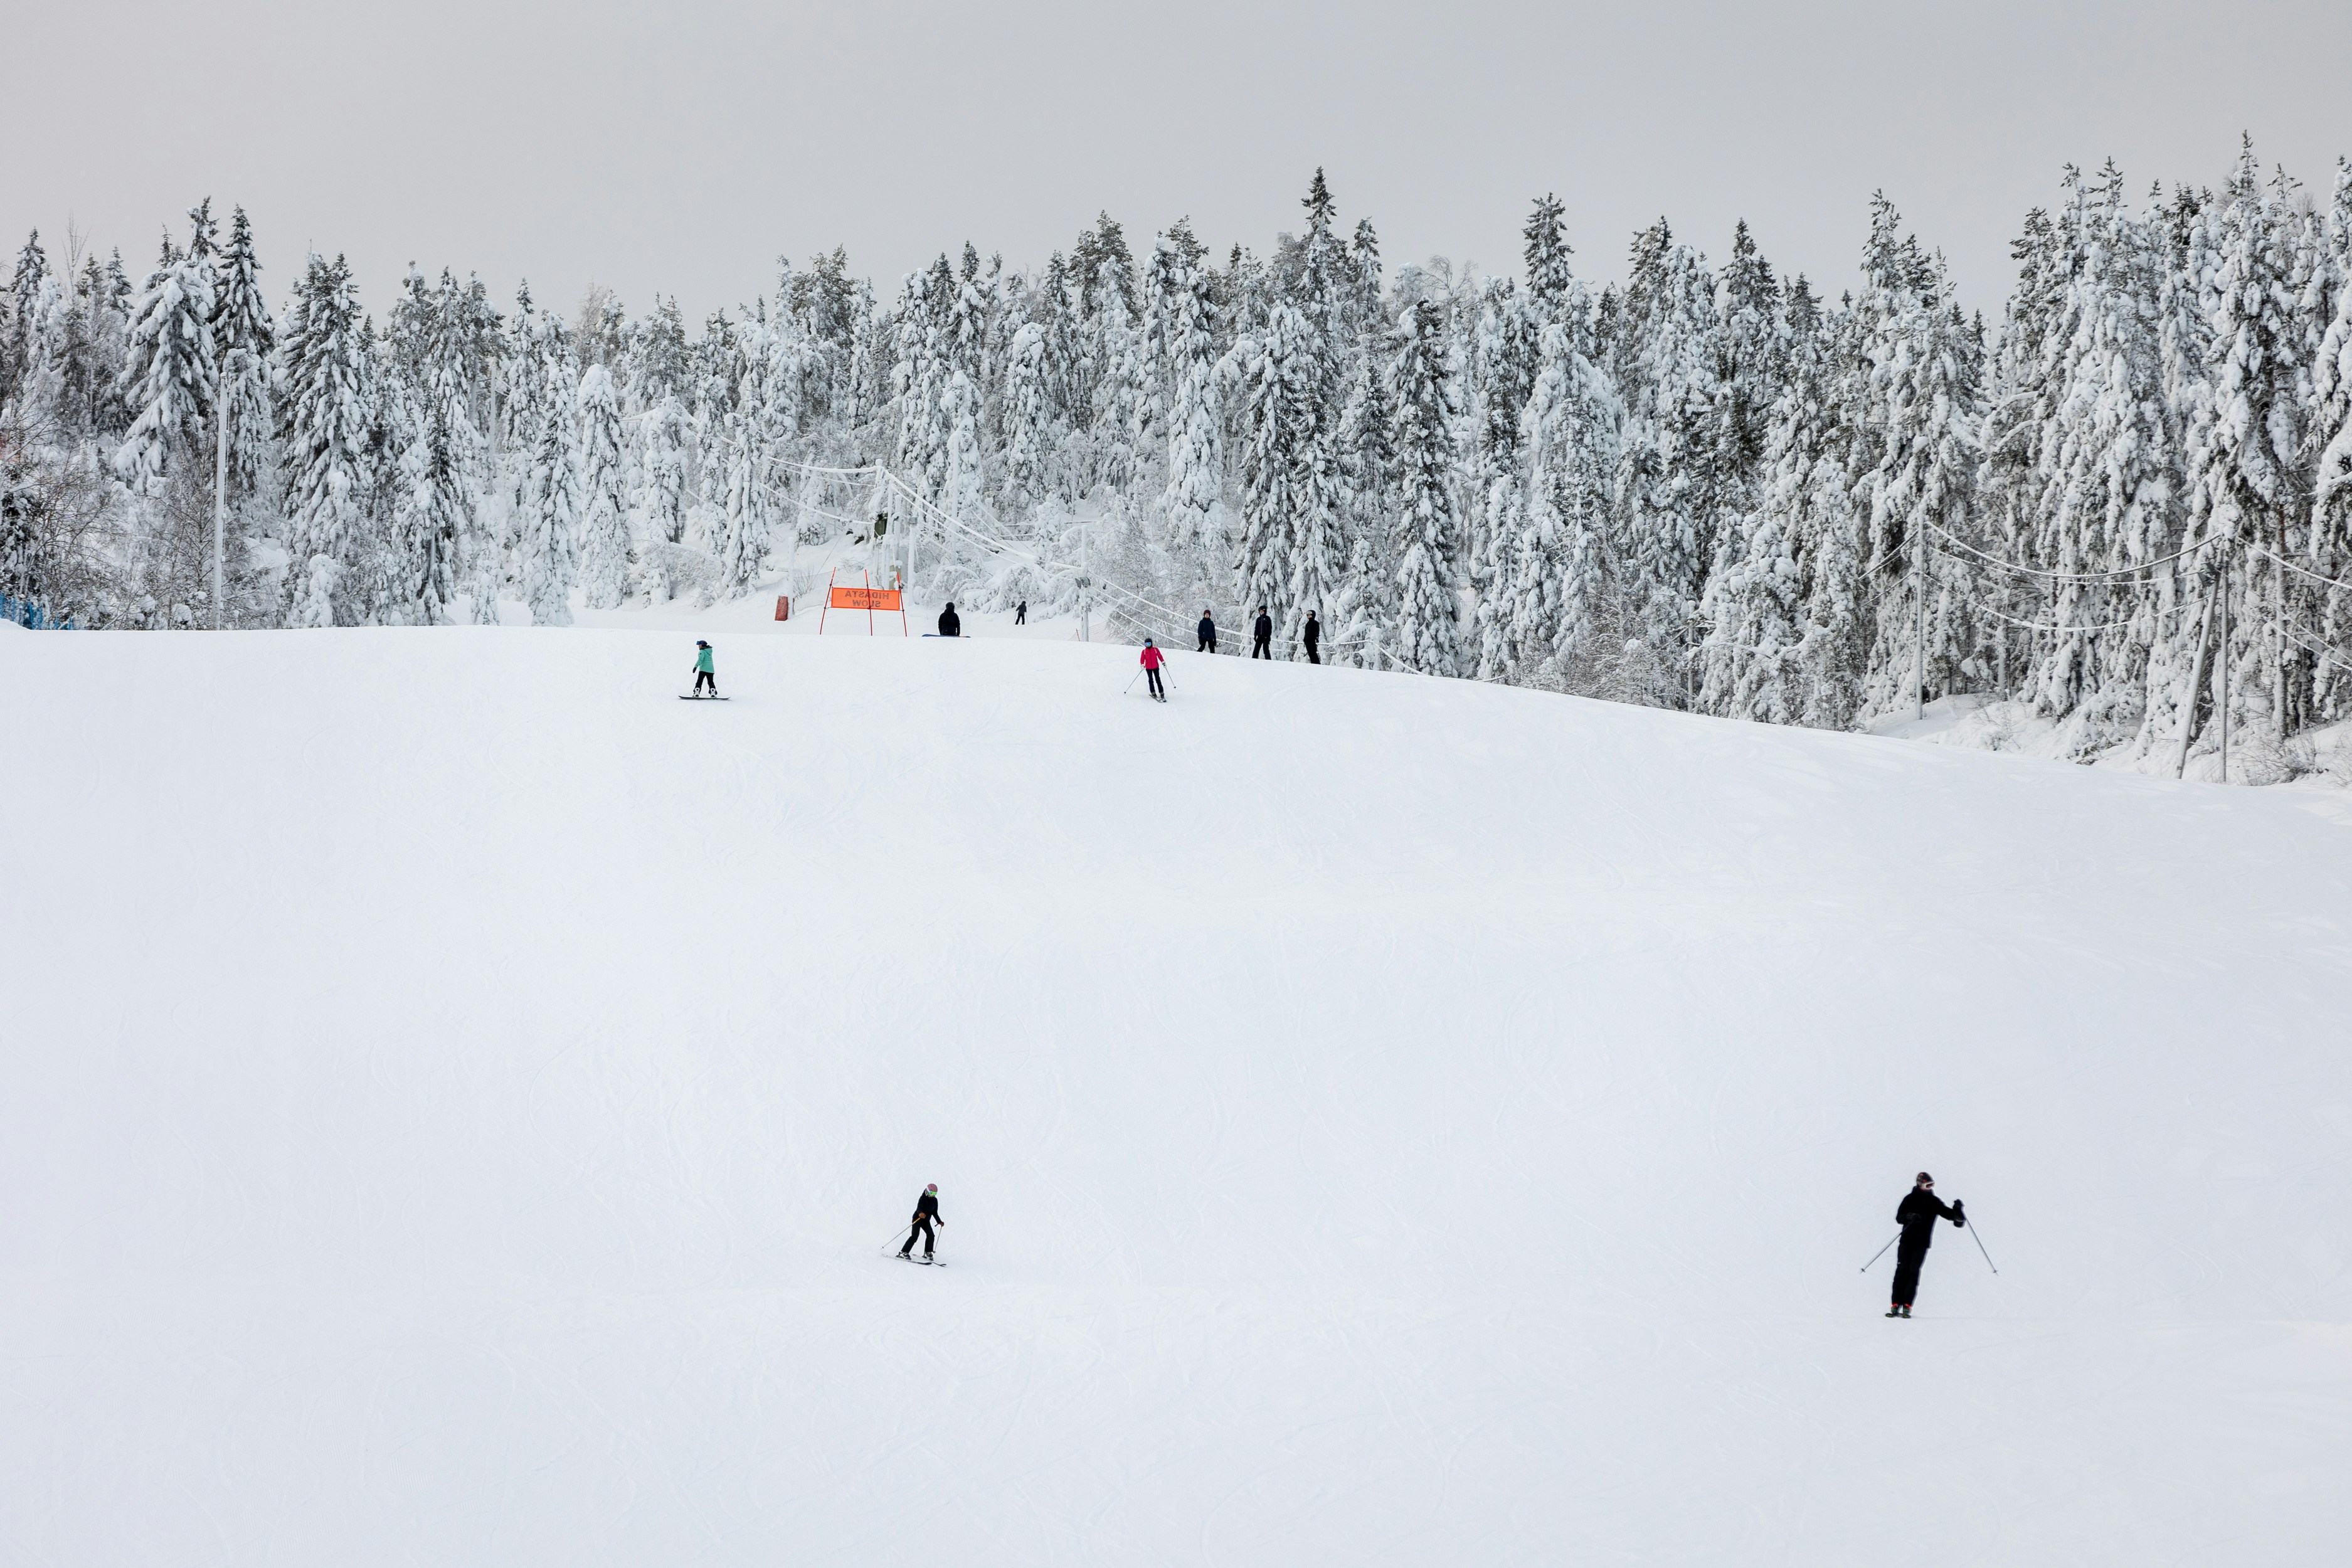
(1960, 1216)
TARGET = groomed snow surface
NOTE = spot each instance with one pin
(457, 1098)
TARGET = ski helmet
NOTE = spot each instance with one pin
(1927, 1179)
(932, 1188)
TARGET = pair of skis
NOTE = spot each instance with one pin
(927, 1259)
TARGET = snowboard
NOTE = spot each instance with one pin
(684, 697)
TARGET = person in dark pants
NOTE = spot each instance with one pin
(1152, 659)
(927, 1211)
(703, 672)
(1917, 1214)
(1262, 635)
(1313, 637)
(1021, 614)
(1208, 634)
(950, 624)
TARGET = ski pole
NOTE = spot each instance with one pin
(1880, 1253)
(1130, 683)
(1980, 1246)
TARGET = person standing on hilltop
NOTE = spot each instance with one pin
(1262, 635)
(1207, 632)
(950, 624)
(1917, 1214)
(1313, 637)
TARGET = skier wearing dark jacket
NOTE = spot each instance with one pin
(1207, 631)
(1262, 635)
(1917, 1214)
(926, 1212)
(950, 624)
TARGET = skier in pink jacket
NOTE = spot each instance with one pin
(1152, 659)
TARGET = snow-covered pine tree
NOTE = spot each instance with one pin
(748, 519)
(1117, 375)
(2245, 441)
(1669, 493)
(962, 495)
(2330, 550)
(1764, 657)
(325, 415)
(919, 377)
(246, 338)
(1751, 367)
(1365, 614)
(438, 514)
(1510, 567)
(40, 379)
(24, 289)
(1427, 637)
(604, 521)
(547, 524)
(2108, 469)
(1268, 381)
(1922, 421)
(172, 374)
(1570, 433)
(1033, 438)
(663, 499)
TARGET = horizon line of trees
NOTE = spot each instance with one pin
(1706, 488)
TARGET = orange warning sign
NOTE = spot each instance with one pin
(865, 599)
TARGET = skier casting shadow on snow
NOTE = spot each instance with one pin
(703, 670)
(1917, 1214)
(1152, 659)
(927, 1211)
(950, 624)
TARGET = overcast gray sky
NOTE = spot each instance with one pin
(680, 146)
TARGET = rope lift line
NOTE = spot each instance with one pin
(2062, 576)
(2291, 566)
(2056, 631)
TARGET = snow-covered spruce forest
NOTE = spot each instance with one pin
(1708, 487)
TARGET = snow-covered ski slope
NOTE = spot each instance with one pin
(456, 1096)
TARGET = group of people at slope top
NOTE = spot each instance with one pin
(1311, 636)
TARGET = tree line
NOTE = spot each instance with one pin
(1706, 487)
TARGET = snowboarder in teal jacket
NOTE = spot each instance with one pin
(703, 669)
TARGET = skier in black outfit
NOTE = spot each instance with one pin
(926, 1210)
(1021, 614)
(1208, 634)
(1917, 1214)
(1313, 637)
(950, 624)
(1262, 635)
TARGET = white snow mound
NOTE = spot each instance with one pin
(458, 1096)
